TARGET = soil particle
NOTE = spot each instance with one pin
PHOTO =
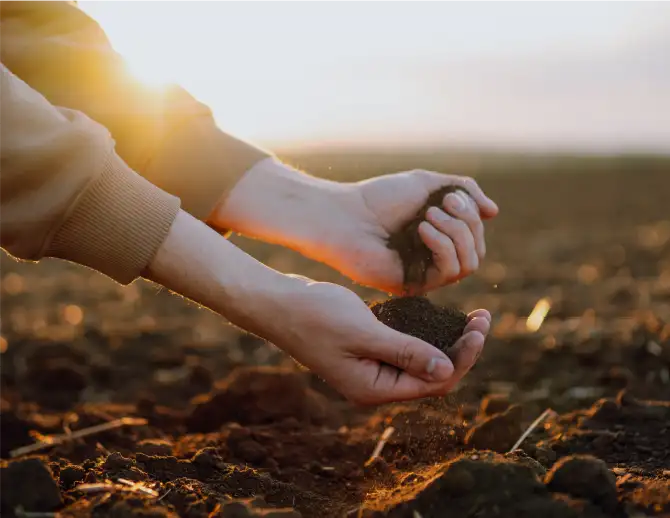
(28, 483)
(419, 317)
(71, 475)
(259, 395)
(416, 257)
(498, 432)
(586, 477)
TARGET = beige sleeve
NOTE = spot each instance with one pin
(165, 134)
(65, 193)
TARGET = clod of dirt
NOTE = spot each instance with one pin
(28, 483)
(497, 433)
(419, 317)
(14, 432)
(261, 395)
(486, 486)
(416, 257)
(71, 475)
(584, 476)
(115, 461)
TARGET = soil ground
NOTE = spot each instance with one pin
(235, 429)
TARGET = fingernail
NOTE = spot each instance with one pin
(439, 369)
(456, 201)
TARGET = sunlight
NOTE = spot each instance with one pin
(149, 71)
(451, 73)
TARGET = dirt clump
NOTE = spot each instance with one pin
(28, 484)
(420, 318)
(586, 477)
(479, 485)
(415, 255)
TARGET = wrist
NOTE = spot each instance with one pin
(278, 204)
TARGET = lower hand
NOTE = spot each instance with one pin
(331, 331)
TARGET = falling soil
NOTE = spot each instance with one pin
(419, 317)
(415, 255)
(235, 429)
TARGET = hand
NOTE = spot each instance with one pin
(323, 326)
(331, 331)
(376, 208)
(347, 225)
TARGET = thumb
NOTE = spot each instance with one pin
(410, 354)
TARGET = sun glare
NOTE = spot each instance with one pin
(148, 73)
(294, 73)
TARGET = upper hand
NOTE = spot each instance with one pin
(347, 225)
(373, 209)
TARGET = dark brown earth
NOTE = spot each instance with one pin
(419, 317)
(235, 428)
(415, 255)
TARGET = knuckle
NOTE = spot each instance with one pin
(469, 181)
(405, 356)
(450, 270)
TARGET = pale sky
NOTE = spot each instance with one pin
(581, 76)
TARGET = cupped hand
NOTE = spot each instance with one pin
(331, 331)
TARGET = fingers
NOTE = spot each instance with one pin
(445, 257)
(409, 354)
(460, 234)
(487, 207)
(388, 381)
(464, 355)
(391, 385)
(479, 320)
(464, 208)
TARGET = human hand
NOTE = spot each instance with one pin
(331, 331)
(377, 208)
(323, 326)
(347, 225)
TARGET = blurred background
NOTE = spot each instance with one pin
(588, 76)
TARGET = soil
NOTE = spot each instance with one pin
(415, 255)
(234, 428)
(419, 317)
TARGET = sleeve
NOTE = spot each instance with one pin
(65, 193)
(164, 134)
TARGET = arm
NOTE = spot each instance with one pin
(165, 135)
(65, 192)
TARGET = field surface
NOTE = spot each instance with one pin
(219, 423)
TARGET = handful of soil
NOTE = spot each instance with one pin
(420, 318)
(415, 255)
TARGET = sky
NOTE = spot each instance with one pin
(550, 76)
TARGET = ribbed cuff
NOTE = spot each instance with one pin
(200, 164)
(117, 224)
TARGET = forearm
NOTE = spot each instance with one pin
(195, 262)
(65, 192)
